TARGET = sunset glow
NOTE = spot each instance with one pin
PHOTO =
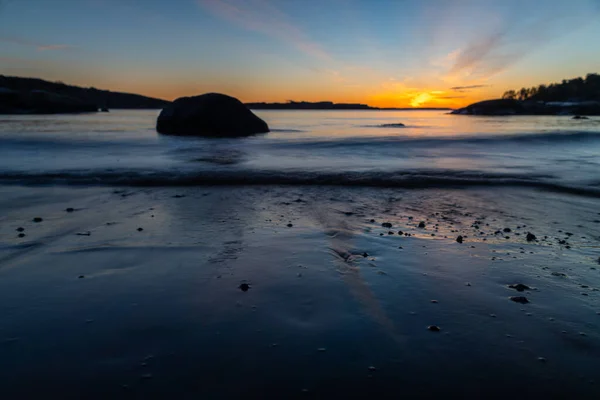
(388, 54)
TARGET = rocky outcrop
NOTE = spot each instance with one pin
(41, 102)
(211, 115)
(492, 107)
(516, 107)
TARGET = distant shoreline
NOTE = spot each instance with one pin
(330, 106)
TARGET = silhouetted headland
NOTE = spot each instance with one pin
(37, 96)
(577, 97)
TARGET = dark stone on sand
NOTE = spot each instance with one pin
(507, 230)
(37, 219)
(434, 328)
(434, 301)
(459, 239)
(421, 224)
(365, 254)
(520, 299)
(580, 117)
(178, 196)
(400, 233)
(140, 229)
(372, 221)
(244, 287)
(390, 233)
(81, 276)
(559, 274)
(386, 225)
(20, 229)
(531, 237)
(21, 235)
(70, 209)
(289, 225)
(519, 287)
(211, 115)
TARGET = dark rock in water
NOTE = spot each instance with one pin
(70, 209)
(559, 274)
(21, 235)
(386, 225)
(140, 229)
(104, 109)
(20, 229)
(580, 117)
(519, 287)
(211, 115)
(37, 219)
(244, 287)
(372, 221)
(400, 233)
(289, 225)
(179, 196)
(520, 299)
(398, 125)
(459, 239)
(421, 224)
(507, 230)
(365, 254)
(434, 328)
(531, 237)
(390, 232)
(81, 276)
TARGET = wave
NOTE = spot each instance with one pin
(436, 141)
(404, 180)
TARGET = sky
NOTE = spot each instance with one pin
(386, 53)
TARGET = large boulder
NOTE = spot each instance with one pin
(210, 114)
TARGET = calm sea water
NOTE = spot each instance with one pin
(307, 147)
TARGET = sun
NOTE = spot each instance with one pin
(420, 99)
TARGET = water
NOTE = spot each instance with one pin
(308, 147)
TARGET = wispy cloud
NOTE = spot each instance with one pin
(260, 16)
(468, 87)
(515, 32)
(37, 45)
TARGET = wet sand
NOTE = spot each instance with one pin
(334, 304)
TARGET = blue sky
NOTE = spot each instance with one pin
(381, 52)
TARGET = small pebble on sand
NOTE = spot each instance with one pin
(434, 301)
(386, 225)
(530, 237)
(289, 225)
(21, 235)
(37, 219)
(519, 287)
(421, 224)
(519, 299)
(70, 209)
(244, 287)
(459, 239)
(542, 359)
(140, 229)
(81, 276)
(433, 328)
(20, 229)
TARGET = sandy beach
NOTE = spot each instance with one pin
(137, 293)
